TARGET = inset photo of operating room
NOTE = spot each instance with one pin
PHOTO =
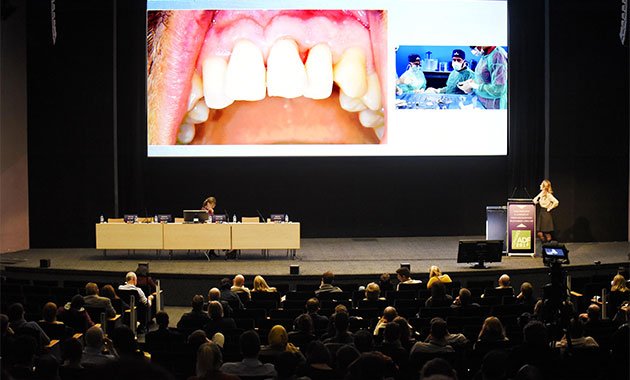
(451, 77)
(266, 77)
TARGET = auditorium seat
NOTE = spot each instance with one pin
(255, 314)
(266, 296)
(299, 296)
(375, 304)
(411, 287)
(311, 288)
(261, 304)
(284, 313)
(431, 312)
(245, 323)
(345, 296)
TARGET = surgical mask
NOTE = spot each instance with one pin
(457, 65)
(477, 52)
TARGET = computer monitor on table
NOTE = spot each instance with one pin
(480, 252)
(195, 216)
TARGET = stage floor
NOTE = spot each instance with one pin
(361, 256)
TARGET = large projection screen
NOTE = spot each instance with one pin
(306, 78)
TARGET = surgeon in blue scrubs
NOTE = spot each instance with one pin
(491, 77)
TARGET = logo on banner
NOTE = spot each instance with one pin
(521, 239)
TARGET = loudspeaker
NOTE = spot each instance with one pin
(406, 265)
(294, 269)
(44, 263)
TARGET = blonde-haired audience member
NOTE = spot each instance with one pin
(435, 274)
(260, 285)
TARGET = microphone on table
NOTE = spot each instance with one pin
(262, 218)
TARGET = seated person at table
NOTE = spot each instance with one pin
(209, 205)
(404, 277)
(460, 73)
(326, 286)
(93, 300)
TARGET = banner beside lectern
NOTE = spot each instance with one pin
(521, 224)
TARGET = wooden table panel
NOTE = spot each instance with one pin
(197, 236)
(129, 236)
(266, 236)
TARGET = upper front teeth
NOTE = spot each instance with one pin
(213, 71)
(245, 74)
(286, 76)
(319, 72)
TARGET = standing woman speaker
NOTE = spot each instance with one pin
(547, 203)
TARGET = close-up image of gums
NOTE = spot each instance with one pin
(228, 77)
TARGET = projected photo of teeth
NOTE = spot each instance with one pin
(261, 77)
(451, 77)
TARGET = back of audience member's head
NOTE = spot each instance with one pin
(278, 337)
(239, 280)
(109, 292)
(372, 291)
(523, 319)
(342, 320)
(403, 272)
(341, 308)
(214, 294)
(434, 271)
(124, 341)
(72, 351)
(529, 372)
(345, 356)
(369, 366)
(527, 290)
(312, 305)
(91, 289)
(389, 313)
(392, 332)
(304, 323)
(250, 344)
(15, 312)
(364, 341)
(535, 333)
(47, 368)
(328, 277)
(197, 302)
(438, 328)
(77, 302)
(504, 281)
(385, 278)
(162, 320)
(494, 365)
(209, 359)
(576, 329)
(286, 365)
(260, 285)
(593, 312)
(405, 330)
(618, 283)
(94, 337)
(131, 278)
(215, 309)
(438, 290)
(437, 367)
(225, 284)
(492, 330)
(49, 312)
(317, 353)
(465, 298)
(196, 339)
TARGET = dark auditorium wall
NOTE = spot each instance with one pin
(72, 148)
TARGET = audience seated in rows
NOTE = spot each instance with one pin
(326, 285)
(438, 298)
(249, 342)
(214, 294)
(389, 314)
(74, 315)
(278, 340)
(526, 296)
(385, 283)
(118, 304)
(95, 342)
(209, 362)
(163, 338)
(52, 327)
(217, 322)
(341, 322)
(303, 333)
(195, 319)
(577, 338)
(320, 322)
(229, 296)
(373, 292)
(404, 277)
(464, 301)
(435, 275)
(20, 326)
(93, 300)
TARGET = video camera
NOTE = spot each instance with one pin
(555, 253)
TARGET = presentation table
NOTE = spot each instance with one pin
(266, 236)
(195, 236)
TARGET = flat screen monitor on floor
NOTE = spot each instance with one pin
(195, 216)
(480, 252)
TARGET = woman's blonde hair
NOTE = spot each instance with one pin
(619, 284)
(434, 271)
(212, 200)
(209, 359)
(492, 330)
(547, 185)
(260, 285)
(372, 291)
(278, 338)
